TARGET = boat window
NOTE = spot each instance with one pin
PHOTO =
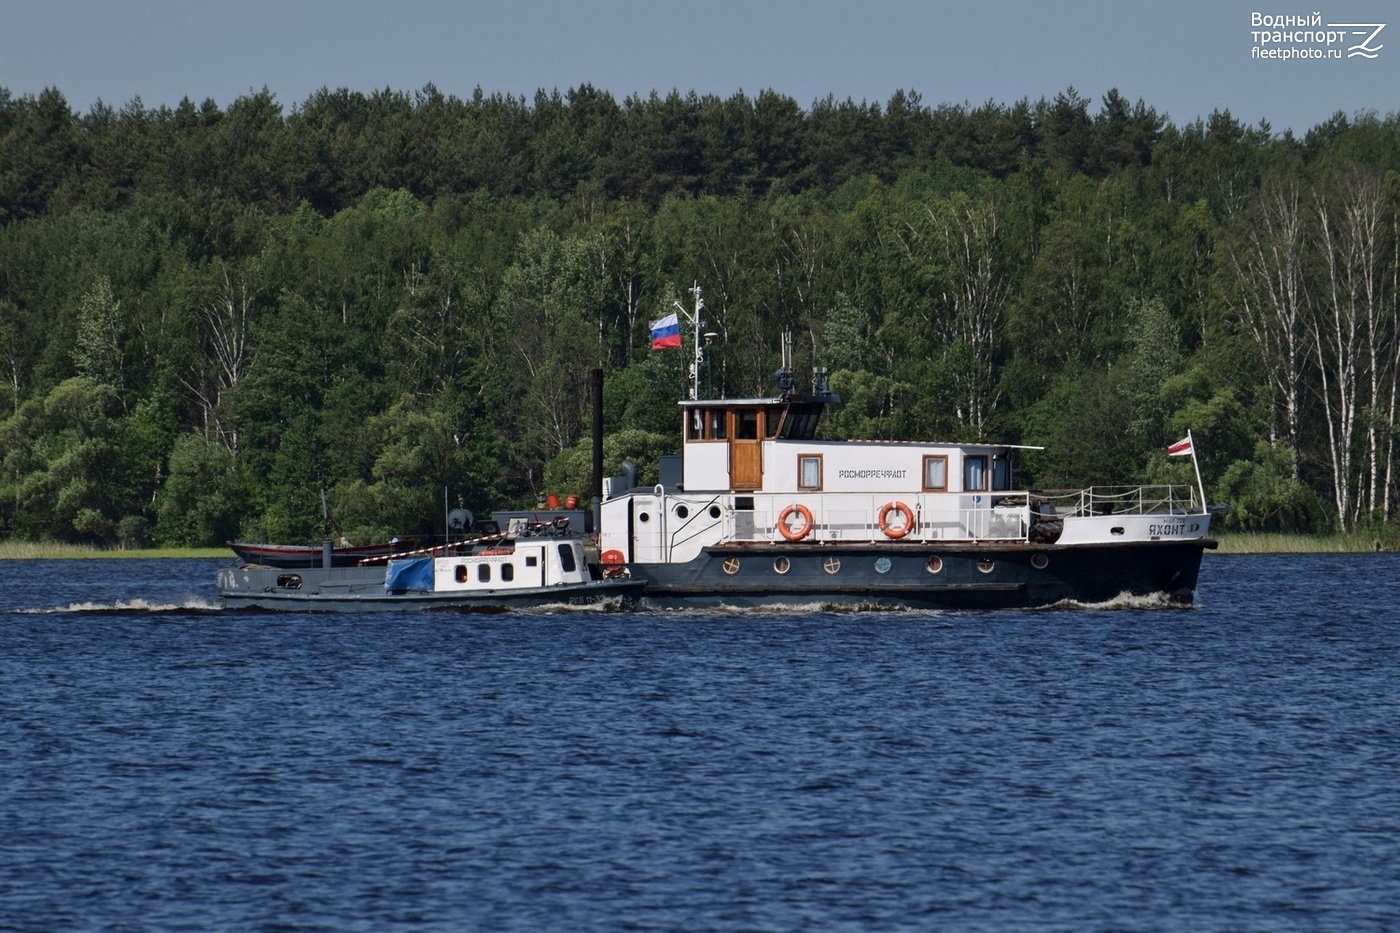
(975, 473)
(566, 558)
(483, 573)
(716, 425)
(460, 572)
(800, 423)
(936, 473)
(809, 471)
(746, 424)
(772, 417)
(1001, 472)
(695, 425)
(532, 561)
(507, 573)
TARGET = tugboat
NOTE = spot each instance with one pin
(531, 565)
(758, 511)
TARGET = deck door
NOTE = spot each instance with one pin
(746, 449)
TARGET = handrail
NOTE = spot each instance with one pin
(1119, 500)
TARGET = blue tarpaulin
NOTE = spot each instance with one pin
(414, 573)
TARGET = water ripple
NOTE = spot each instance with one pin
(169, 766)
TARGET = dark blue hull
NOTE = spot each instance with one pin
(921, 576)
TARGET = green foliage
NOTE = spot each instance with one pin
(1264, 496)
(206, 498)
(572, 470)
(210, 315)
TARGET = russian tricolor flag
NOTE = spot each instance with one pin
(666, 332)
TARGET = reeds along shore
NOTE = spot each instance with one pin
(1278, 543)
(47, 550)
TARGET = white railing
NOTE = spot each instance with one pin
(845, 517)
(1116, 500)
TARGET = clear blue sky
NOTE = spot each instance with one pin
(1185, 59)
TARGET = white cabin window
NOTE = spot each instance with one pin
(507, 573)
(483, 573)
(566, 558)
(936, 473)
(809, 471)
(975, 473)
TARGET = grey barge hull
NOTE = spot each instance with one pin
(361, 589)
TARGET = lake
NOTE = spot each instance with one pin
(165, 764)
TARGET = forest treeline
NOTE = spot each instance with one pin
(210, 315)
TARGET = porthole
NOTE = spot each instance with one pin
(1116, 530)
(682, 512)
(731, 565)
(832, 565)
(781, 565)
(1040, 561)
(715, 512)
(643, 516)
(986, 566)
(460, 573)
(934, 564)
(882, 565)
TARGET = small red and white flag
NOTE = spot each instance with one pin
(1181, 448)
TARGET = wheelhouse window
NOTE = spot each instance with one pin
(705, 424)
(800, 422)
(566, 559)
(1001, 472)
(975, 473)
(936, 473)
(746, 424)
(772, 417)
(483, 573)
(809, 471)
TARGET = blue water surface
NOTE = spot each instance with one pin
(165, 764)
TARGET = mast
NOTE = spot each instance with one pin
(697, 323)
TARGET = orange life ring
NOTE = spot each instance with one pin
(801, 531)
(898, 531)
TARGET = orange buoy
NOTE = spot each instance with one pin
(802, 530)
(896, 531)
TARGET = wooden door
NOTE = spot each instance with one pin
(745, 449)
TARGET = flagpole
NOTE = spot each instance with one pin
(1195, 463)
(699, 357)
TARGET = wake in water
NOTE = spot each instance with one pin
(128, 607)
(1126, 601)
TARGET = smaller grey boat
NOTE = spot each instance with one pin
(533, 565)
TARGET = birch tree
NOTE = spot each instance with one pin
(1271, 299)
(972, 301)
(1353, 331)
(225, 318)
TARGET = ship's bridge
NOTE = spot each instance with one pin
(771, 445)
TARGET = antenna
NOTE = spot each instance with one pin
(697, 323)
(786, 382)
